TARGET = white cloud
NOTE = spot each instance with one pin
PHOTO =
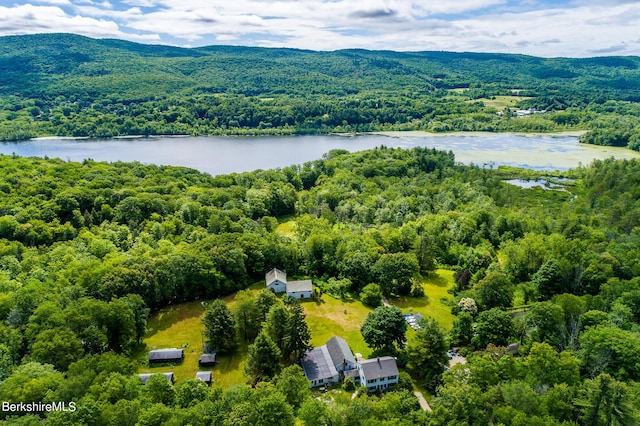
(29, 19)
(571, 28)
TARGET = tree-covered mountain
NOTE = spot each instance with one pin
(61, 84)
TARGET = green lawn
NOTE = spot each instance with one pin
(181, 326)
(436, 287)
(330, 317)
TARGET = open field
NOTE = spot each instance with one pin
(501, 102)
(436, 287)
(181, 326)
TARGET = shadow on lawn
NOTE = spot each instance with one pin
(436, 279)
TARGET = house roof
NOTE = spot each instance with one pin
(298, 286)
(205, 376)
(339, 351)
(317, 364)
(275, 274)
(160, 355)
(379, 367)
(145, 377)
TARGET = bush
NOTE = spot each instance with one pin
(371, 295)
(349, 384)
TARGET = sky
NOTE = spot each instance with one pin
(548, 28)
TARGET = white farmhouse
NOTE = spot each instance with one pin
(276, 280)
(378, 373)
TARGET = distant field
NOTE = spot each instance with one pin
(181, 326)
(501, 102)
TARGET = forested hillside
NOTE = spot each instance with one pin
(68, 85)
(88, 250)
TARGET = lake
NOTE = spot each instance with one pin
(227, 154)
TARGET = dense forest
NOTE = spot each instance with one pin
(68, 85)
(88, 250)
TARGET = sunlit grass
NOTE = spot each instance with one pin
(332, 317)
(436, 288)
(501, 102)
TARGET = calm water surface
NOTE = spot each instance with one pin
(227, 154)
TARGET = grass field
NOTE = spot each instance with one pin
(436, 288)
(181, 326)
(501, 102)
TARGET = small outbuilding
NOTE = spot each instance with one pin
(207, 360)
(205, 376)
(145, 377)
(172, 355)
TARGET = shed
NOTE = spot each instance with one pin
(145, 377)
(205, 376)
(207, 360)
(166, 355)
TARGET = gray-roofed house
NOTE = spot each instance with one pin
(145, 377)
(319, 368)
(166, 355)
(205, 376)
(207, 360)
(276, 280)
(300, 289)
(378, 373)
(341, 354)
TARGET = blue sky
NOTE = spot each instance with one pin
(575, 28)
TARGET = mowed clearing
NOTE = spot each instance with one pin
(180, 326)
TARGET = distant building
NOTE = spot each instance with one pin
(205, 376)
(172, 355)
(378, 373)
(207, 360)
(145, 377)
(276, 280)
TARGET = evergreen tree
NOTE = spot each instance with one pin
(263, 359)
(277, 325)
(299, 333)
(220, 327)
(427, 352)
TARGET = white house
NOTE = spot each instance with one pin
(319, 368)
(341, 355)
(276, 280)
(378, 373)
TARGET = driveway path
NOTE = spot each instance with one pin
(422, 401)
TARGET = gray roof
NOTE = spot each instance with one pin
(379, 367)
(275, 274)
(296, 286)
(339, 351)
(145, 377)
(166, 355)
(205, 376)
(207, 359)
(317, 364)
